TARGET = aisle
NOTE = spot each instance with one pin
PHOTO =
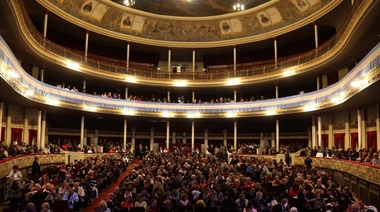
(105, 193)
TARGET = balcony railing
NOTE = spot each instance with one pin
(257, 68)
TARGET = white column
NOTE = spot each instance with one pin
(235, 96)
(45, 23)
(151, 139)
(273, 140)
(262, 140)
(169, 60)
(275, 51)
(168, 97)
(128, 52)
(318, 83)
(313, 133)
(192, 96)
(43, 128)
(42, 74)
(26, 128)
(86, 44)
(1, 118)
(8, 130)
(205, 140)
(364, 129)
(347, 134)
(277, 135)
(167, 135)
(125, 134)
(192, 135)
(84, 84)
(316, 34)
(235, 135)
(234, 60)
(319, 131)
(276, 90)
(309, 143)
(133, 140)
(193, 64)
(377, 125)
(126, 92)
(174, 138)
(331, 133)
(359, 112)
(82, 132)
(224, 137)
(39, 129)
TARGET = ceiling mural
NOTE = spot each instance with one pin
(236, 25)
(191, 8)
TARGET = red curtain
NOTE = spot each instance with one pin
(354, 140)
(2, 133)
(32, 137)
(16, 135)
(339, 140)
(372, 139)
(325, 140)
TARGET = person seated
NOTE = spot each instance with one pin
(54, 195)
(45, 207)
(72, 199)
(102, 207)
(30, 207)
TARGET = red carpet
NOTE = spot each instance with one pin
(110, 189)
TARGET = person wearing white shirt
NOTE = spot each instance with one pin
(14, 176)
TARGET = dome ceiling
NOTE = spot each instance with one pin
(190, 8)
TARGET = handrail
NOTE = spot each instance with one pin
(255, 70)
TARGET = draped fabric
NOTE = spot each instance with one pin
(372, 139)
(354, 140)
(339, 140)
(16, 135)
(325, 140)
(2, 134)
(32, 137)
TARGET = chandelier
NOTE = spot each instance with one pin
(238, 6)
(129, 3)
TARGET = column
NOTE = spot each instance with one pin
(39, 119)
(262, 140)
(126, 93)
(192, 135)
(347, 134)
(331, 132)
(192, 96)
(276, 90)
(277, 135)
(174, 138)
(26, 127)
(8, 130)
(309, 144)
(96, 141)
(319, 130)
(133, 140)
(168, 97)
(275, 51)
(81, 132)
(128, 52)
(234, 60)
(193, 64)
(205, 140)
(86, 44)
(224, 137)
(377, 125)
(235, 96)
(363, 129)
(318, 83)
(45, 23)
(169, 60)
(273, 140)
(1, 118)
(359, 112)
(235, 135)
(167, 135)
(125, 134)
(151, 139)
(316, 34)
(42, 74)
(84, 84)
(352, 2)
(43, 128)
(313, 133)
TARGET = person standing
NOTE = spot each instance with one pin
(36, 167)
(14, 177)
(308, 162)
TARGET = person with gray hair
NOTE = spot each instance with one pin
(376, 160)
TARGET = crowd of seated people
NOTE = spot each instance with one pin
(153, 98)
(74, 146)
(169, 181)
(369, 156)
(77, 183)
(20, 148)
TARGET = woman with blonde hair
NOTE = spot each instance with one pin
(45, 207)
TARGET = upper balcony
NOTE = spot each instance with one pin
(227, 75)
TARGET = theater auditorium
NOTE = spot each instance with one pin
(189, 105)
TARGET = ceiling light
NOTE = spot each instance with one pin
(231, 114)
(131, 79)
(167, 114)
(238, 6)
(128, 112)
(53, 102)
(310, 107)
(90, 108)
(29, 92)
(72, 65)
(180, 83)
(270, 112)
(13, 74)
(193, 115)
(234, 81)
(289, 72)
(129, 3)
